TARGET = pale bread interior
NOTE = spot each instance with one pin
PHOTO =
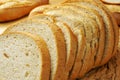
(22, 55)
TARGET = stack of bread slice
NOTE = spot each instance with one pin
(72, 38)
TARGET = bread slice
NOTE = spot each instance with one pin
(25, 58)
(71, 40)
(54, 39)
(111, 1)
(8, 8)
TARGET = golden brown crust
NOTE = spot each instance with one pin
(10, 14)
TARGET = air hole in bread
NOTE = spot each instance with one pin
(33, 54)
(6, 36)
(5, 55)
(27, 65)
(95, 45)
(14, 37)
(37, 65)
(27, 54)
(37, 56)
(82, 60)
(30, 44)
(26, 74)
(13, 58)
(90, 44)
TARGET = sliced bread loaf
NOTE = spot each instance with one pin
(37, 10)
(98, 19)
(67, 11)
(25, 58)
(94, 29)
(54, 39)
(109, 37)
